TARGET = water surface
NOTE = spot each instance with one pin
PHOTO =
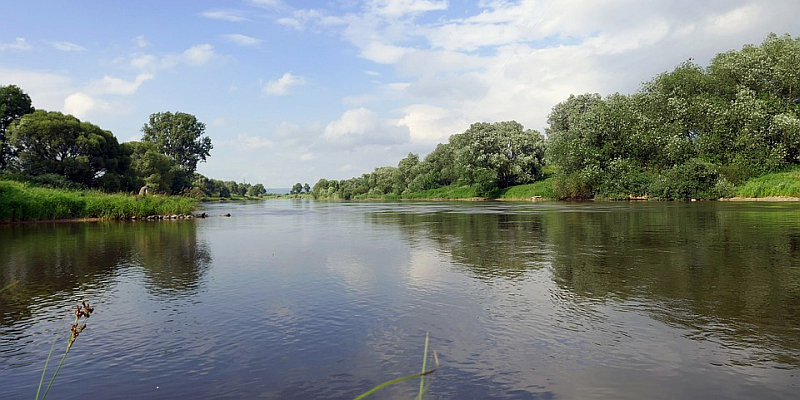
(292, 299)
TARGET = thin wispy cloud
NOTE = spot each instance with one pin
(19, 44)
(241, 40)
(67, 46)
(225, 15)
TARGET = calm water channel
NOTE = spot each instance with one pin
(303, 300)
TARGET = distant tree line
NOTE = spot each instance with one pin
(59, 150)
(691, 133)
(486, 156)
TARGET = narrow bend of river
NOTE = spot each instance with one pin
(294, 299)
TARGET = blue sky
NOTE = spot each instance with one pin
(294, 91)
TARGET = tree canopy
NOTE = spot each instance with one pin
(54, 143)
(487, 156)
(690, 133)
(180, 137)
(14, 103)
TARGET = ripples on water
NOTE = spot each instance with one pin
(300, 300)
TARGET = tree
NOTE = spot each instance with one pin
(54, 143)
(499, 155)
(150, 167)
(405, 173)
(256, 190)
(14, 103)
(179, 136)
(307, 188)
(297, 188)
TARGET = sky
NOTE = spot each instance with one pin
(295, 91)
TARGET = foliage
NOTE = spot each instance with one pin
(689, 133)
(499, 155)
(485, 158)
(297, 188)
(14, 103)
(54, 143)
(258, 190)
(150, 167)
(454, 191)
(180, 137)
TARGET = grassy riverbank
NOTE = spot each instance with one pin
(779, 184)
(24, 202)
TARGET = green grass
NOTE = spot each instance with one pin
(24, 202)
(543, 188)
(784, 184)
(447, 192)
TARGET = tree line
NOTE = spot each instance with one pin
(59, 150)
(693, 132)
(486, 156)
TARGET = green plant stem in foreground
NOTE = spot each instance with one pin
(47, 361)
(424, 363)
(405, 378)
(50, 384)
(83, 311)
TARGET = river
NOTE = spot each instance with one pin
(295, 299)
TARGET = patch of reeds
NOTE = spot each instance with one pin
(24, 202)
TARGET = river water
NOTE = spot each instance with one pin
(295, 299)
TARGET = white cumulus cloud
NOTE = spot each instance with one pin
(281, 85)
(361, 126)
(198, 55)
(81, 105)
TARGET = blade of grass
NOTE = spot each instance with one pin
(392, 382)
(424, 361)
(405, 378)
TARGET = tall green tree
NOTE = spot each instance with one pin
(498, 155)
(14, 103)
(179, 136)
(256, 190)
(54, 143)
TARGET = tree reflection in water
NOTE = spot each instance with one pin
(40, 260)
(715, 269)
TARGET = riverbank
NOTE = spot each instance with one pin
(25, 202)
